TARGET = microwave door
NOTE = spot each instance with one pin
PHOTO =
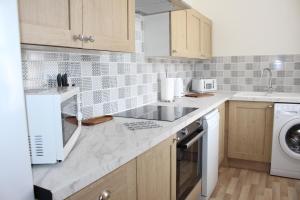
(70, 123)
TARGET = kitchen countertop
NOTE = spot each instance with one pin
(105, 147)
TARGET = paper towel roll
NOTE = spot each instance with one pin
(167, 89)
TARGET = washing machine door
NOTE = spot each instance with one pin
(289, 138)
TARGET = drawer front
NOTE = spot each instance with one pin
(120, 184)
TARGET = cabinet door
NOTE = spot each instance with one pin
(179, 44)
(250, 131)
(121, 184)
(222, 133)
(51, 22)
(110, 24)
(206, 38)
(156, 172)
(194, 34)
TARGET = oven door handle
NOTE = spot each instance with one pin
(193, 140)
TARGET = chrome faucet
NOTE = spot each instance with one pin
(270, 84)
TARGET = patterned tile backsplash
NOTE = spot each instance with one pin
(111, 82)
(243, 73)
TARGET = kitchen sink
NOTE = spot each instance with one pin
(267, 95)
(251, 94)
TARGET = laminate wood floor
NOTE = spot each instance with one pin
(240, 184)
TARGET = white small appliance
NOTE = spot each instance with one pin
(167, 89)
(285, 159)
(210, 154)
(178, 88)
(54, 123)
(204, 85)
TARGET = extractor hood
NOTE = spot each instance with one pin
(149, 7)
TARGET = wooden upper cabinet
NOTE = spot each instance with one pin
(250, 131)
(51, 22)
(156, 172)
(191, 34)
(179, 33)
(110, 23)
(102, 24)
(206, 37)
(121, 184)
(194, 33)
(183, 33)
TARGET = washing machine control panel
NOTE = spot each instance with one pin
(287, 109)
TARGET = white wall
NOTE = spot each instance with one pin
(253, 27)
(15, 168)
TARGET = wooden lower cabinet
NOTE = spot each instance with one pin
(250, 131)
(151, 175)
(121, 184)
(222, 123)
(245, 142)
(156, 172)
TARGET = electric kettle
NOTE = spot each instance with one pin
(178, 88)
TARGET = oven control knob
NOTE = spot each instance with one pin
(184, 131)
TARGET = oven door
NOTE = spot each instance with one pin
(189, 163)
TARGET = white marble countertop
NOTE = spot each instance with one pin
(105, 147)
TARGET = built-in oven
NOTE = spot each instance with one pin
(189, 158)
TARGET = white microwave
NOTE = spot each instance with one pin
(204, 85)
(54, 123)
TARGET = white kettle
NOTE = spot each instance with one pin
(178, 88)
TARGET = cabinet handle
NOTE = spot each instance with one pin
(270, 106)
(105, 195)
(89, 39)
(176, 139)
(174, 51)
(78, 37)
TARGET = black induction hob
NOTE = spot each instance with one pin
(153, 112)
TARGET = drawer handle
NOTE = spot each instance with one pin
(105, 195)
